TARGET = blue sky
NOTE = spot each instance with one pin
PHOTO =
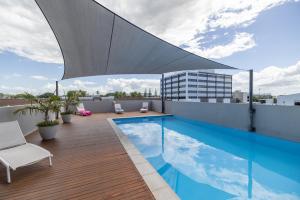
(276, 32)
(262, 37)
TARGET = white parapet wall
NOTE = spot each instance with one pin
(279, 121)
(107, 105)
(27, 122)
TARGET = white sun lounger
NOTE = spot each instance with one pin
(145, 107)
(118, 108)
(15, 152)
(79, 108)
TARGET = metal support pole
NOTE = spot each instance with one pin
(251, 108)
(178, 88)
(172, 88)
(162, 93)
(56, 93)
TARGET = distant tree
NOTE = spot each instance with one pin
(135, 94)
(83, 93)
(109, 94)
(255, 99)
(46, 95)
(1, 95)
(145, 93)
(155, 92)
(72, 92)
(118, 95)
(97, 92)
(150, 93)
(26, 96)
(79, 93)
(18, 96)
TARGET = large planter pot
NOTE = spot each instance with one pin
(48, 132)
(66, 118)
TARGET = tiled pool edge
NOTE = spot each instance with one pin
(157, 185)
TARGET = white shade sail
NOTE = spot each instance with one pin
(96, 41)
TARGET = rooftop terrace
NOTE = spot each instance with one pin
(89, 163)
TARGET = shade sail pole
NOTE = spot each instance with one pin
(162, 93)
(251, 108)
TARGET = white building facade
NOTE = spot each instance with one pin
(198, 86)
(240, 97)
(289, 100)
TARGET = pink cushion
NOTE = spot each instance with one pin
(85, 112)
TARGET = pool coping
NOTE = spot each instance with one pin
(157, 185)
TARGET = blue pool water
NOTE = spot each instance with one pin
(204, 161)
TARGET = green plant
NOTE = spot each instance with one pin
(72, 99)
(46, 95)
(45, 106)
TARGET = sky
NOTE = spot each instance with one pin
(256, 34)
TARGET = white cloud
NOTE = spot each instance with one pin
(10, 76)
(111, 85)
(25, 32)
(178, 21)
(241, 42)
(16, 89)
(275, 80)
(83, 83)
(272, 79)
(39, 77)
(131, 85)
(241, 13)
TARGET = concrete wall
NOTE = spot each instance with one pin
(230, 115)
(108, 105)
(156, 105)
(279, 121)
(103, 106)
(27, 122)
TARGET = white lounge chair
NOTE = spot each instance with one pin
(118, 108)
(145, 107)
(15, 152)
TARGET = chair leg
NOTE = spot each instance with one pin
(8, 175)
(50, 161)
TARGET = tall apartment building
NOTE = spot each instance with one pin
(198, 86)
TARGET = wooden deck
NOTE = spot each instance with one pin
(89, 163)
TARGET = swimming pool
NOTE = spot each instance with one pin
(205, 161)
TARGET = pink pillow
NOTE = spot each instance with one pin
(85, 113)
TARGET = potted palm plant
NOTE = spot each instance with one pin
(47, 128)
(69, 102)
